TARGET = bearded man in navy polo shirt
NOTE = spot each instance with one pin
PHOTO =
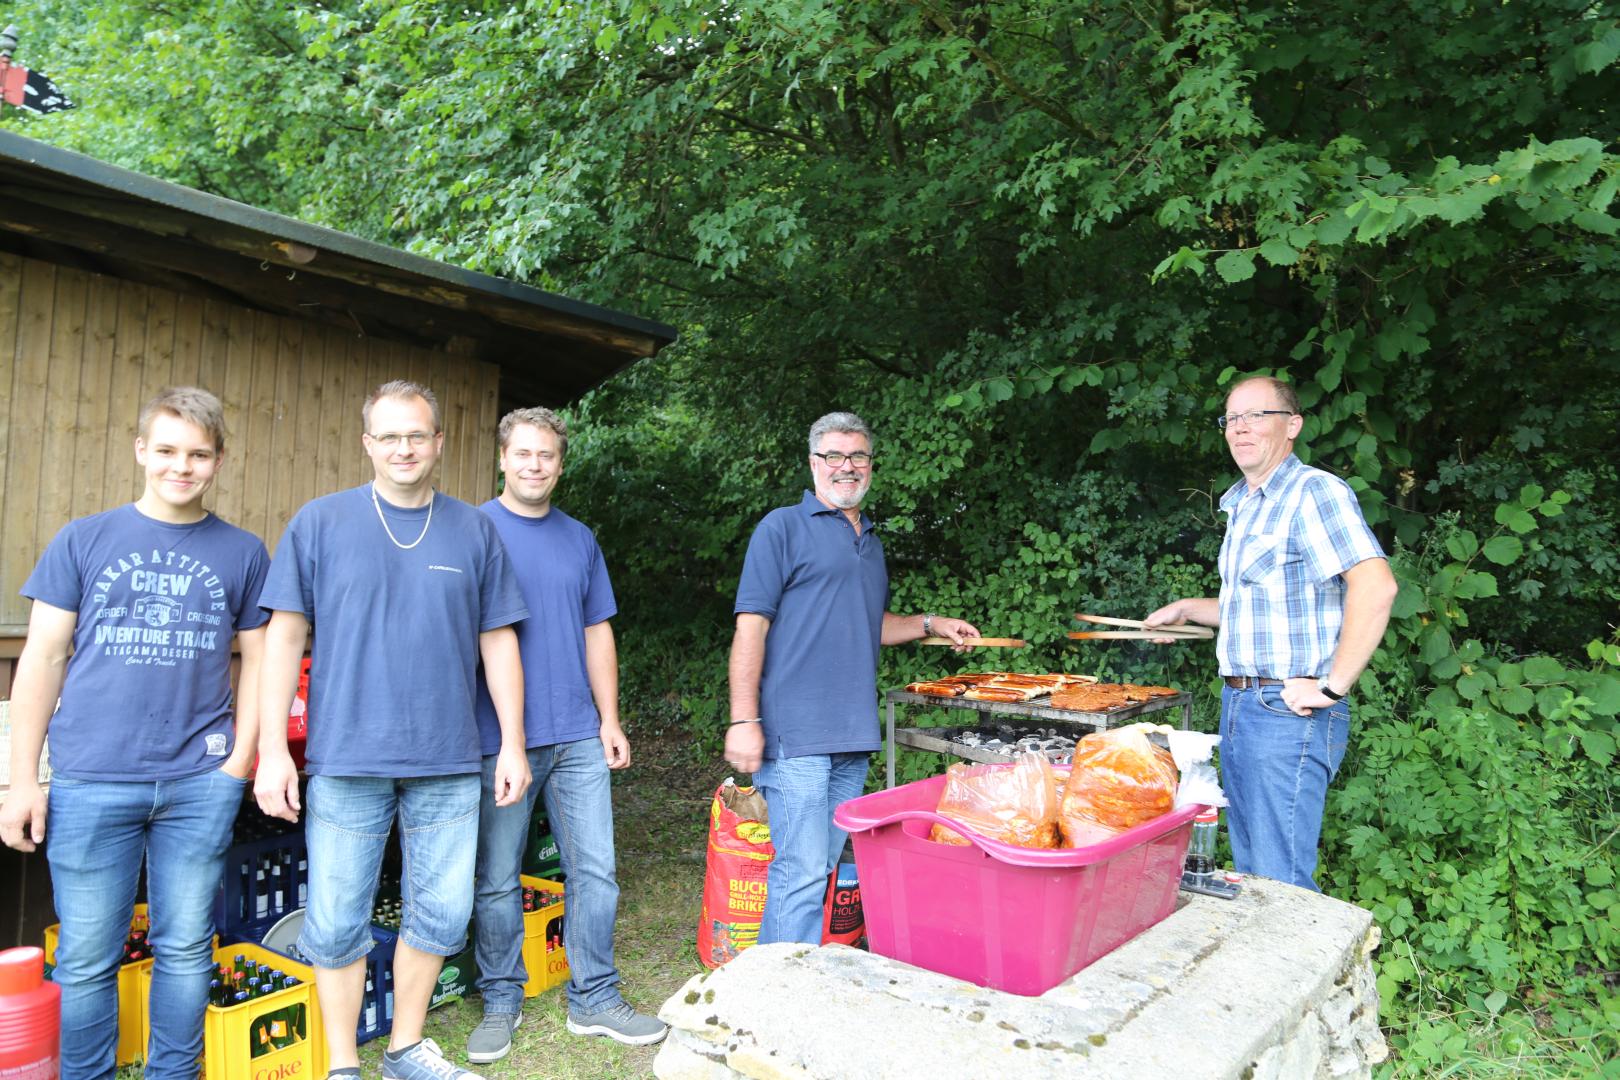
(811, 613)
(1305, 596)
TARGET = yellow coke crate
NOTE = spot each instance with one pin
(544, 957)
(134, 983)
(275, 1037)
(227, 954)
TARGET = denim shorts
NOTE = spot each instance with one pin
(347, 830)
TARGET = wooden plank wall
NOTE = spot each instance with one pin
(80, 353)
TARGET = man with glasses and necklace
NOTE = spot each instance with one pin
(1305, 595)
(811, 614)
(407, 590)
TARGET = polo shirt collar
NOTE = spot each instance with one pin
(1280, 478)
(812, 506)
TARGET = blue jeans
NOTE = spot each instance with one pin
(573, 777)
(1276, 767)
(801, 794)
(96, 834)
(348, 818)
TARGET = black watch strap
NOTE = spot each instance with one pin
(1328, 691)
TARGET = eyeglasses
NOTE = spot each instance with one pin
(1248, 419)
(416, 439)
(860, 459)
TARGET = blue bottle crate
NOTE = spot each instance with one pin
(264, 880)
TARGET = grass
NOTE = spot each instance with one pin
(1512, 1045)
(660, 820)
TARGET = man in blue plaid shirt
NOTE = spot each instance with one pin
(1305, 595)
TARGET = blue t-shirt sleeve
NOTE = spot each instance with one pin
(600, 605)
(290, 584)
(500, 599)
(764, 572)
(252, 616)
(56, 579)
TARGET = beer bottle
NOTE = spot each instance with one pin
(259, 1037)
(278, 892)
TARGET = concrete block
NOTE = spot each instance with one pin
(1277, 981)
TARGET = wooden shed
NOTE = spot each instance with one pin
(114, 284)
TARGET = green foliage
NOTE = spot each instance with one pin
(1034, 244)
(1479, 819)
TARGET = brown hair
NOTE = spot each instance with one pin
(541, 418)
(191, 404)
(401, 388)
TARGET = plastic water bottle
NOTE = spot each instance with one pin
(1200, 866)
(30, 1016)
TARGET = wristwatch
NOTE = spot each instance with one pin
(928, 624)
(1328, 691)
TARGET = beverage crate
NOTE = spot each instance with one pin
(265, 878)
(278, 1035)
(544, 956)
(132, 991)
(541, 858)
(456, 980)
(377, 1001)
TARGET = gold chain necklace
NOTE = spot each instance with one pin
(426, 525)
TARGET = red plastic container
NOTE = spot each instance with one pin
(30, 1017)
(1012, 918)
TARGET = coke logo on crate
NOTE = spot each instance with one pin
(285, 1071)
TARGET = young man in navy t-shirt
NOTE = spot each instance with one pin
(133, 616)
(572, 732)
(407, 591)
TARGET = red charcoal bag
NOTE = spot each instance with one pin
(739, 857)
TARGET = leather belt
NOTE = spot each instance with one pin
(1245, 682)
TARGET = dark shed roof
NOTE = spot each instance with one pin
(65, 207)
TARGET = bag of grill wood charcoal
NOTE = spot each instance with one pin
(1015, 804)
(1118, 780)
(842, 921)
(740, 854)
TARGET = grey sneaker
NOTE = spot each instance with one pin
(491, 1040)
(424, 1061)
(618, 1022)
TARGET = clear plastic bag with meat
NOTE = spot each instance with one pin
(1016, 805)
(1118, 780)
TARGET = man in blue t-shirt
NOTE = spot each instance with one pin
(810, 618)
(571, 723)
(407, 591)
(133, 616)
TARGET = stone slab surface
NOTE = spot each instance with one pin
(1276, 982)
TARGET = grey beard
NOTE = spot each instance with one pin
(846, 502)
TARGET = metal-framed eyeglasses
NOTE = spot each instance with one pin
(860, 459)
(1248, 419)
(389, 440)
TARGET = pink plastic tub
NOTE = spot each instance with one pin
(1016, 919)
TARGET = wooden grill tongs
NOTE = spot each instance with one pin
(978, 642)
(1138, 631)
